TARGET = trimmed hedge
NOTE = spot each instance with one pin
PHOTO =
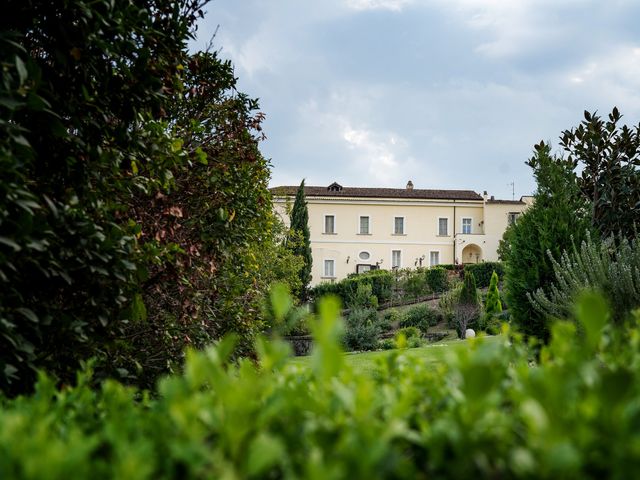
(437, 279)
(482, 272)
(486, 413)
(381, 282)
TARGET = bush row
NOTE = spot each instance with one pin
(486, 413)
(482, 272)
(380, 281)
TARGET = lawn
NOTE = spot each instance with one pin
(431, 354)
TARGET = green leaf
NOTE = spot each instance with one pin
(22, 70)
(593, 314)
(28, 313)
(265, 452)
(10, 243)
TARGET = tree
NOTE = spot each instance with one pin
(300, 238)
(558, 217)
(469, 292)
(83, 99)
(492, 305)
(607, 158)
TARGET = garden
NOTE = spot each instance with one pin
(151, 303)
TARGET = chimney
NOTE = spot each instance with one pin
(409, 185)
(492, 198)
(485, 196)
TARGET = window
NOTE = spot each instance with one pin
(361, 268)
(434, 258)
(364, 226)
(398, 226)
(329, 268)
(466, 225)
(329, 224)
(443, 227)
(512, 217)
(364, 256)
(396, 259)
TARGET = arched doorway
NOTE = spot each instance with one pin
(472, 253)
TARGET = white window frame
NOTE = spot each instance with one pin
(324, 224)
(404, 225)
(401, 255)
(324, 268)
(438, 227)
(470, 225)
(515, 217)
(431, 264)
(359, 232)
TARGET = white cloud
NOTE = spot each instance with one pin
(392, 5)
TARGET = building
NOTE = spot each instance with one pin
(356, 229)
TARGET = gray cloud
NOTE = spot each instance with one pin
(449, 93)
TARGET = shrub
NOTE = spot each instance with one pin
(447, 304)
(611, 269)
(437, 279)
(363, 297)
(415, 284)
(362, 330)
(408, 332)
(483, 271)
(420, 316)
(415, 342)
(492, 305)
(272, 419)
(387, 344)
(469, 292)
(379, 280)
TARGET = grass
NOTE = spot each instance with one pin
(431, 354)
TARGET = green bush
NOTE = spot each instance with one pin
(387, 344)
(469, 292)
(362, 329)
(379, 280)
(610, 267)
(415, 284)
(408, 332)
(420, 316)
(437, 279)
(483, 271)
(492, 304)
(575, 413)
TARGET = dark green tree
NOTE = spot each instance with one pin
(300, 241)
(607, 158)
(559, 216)
(469, 292)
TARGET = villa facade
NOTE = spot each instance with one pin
(357, 229)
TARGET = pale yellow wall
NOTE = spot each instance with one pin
(496, 221)
(420, 231)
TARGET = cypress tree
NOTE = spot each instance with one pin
(299, 238)
(493, 304)
(469, 292)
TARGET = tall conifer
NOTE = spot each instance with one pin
(299, 238)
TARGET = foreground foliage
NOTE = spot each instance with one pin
(487, 412)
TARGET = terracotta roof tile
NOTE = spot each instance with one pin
(363, 192)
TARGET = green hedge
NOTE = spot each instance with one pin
(381, 282)
(486, 413)
(482, 272)
(437, 279)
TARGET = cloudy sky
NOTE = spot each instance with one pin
(447, 93)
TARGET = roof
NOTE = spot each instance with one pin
(506, 202)
(335, 190)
